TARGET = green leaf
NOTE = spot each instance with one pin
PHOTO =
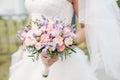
(33, 59)
(65, 56)
(71, 49)
(30, 56)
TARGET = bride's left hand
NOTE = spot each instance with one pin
(81, 34)
(48, 62)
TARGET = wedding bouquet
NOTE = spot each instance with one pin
(53, 37)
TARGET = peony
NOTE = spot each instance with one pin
(68, 41)
(58, 40)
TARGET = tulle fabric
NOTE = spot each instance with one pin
(16, 56)
(103, 36)
(75, 67)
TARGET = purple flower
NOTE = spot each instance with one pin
(28, 28)
(43, 17)
(44, 51)
(53, 46)
(40, 24)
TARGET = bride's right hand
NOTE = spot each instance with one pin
(48, 62)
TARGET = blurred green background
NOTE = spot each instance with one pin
(9, 43)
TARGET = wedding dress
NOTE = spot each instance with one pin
(15, 58)
(102, 20)
(75, 67)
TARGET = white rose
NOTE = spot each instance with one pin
(38, 32)
(30, 42)
(27, 42)
(58, 40)
(38, 46)
(68, 41)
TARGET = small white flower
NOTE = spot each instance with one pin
(38, 32)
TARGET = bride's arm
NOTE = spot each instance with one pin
(81, 32)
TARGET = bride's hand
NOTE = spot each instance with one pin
(81, 34)
(48, 62)
(82, 25)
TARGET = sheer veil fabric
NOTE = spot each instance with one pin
(102, 20)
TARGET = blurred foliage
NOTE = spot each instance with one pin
(118, 3)
(8, 30)
(4, 66)
(8, 39)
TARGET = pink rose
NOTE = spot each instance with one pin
(68, 41)
(61, 48)
(44, 38)
(50, 28)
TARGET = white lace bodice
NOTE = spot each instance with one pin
(50, 8)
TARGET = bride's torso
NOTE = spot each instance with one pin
(50, 8)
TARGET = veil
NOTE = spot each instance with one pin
(102, 28)
(81, 10)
